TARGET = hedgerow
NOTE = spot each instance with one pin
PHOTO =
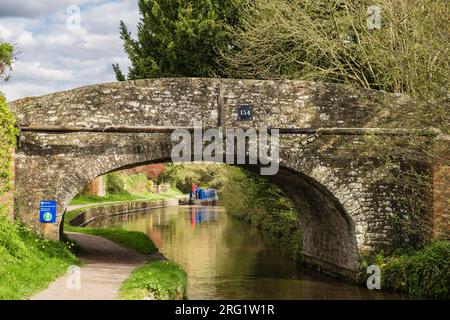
(8, 135)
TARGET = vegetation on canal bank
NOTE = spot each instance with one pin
(418, 272)
(134, 240)
(8, 135)
(131, 239)
(125, 186)
(28, 262)
(160, 280)
(156, 280)
(125, 197)
(264, 205)
(88, 199)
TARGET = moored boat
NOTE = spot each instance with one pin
(203, 197)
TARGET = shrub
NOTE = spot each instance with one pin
(115, 184)
(424, 272)
(330, 41)
(136, 183)
(8, 135)
(160, 280)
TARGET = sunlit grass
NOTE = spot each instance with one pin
(134, 240)
(137, 241)
(28, 262)
(160, 280)
(88, 199)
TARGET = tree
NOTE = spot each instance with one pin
(336, 41)
(7, 130)
(331, 41)
(178, 38)
(6, 58)
(152, 171)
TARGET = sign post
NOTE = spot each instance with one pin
(47, 211)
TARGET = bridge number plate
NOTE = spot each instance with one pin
(245, 112)
(47, 211)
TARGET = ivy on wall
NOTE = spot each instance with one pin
(8, 134)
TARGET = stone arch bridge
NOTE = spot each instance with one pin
(344, 206)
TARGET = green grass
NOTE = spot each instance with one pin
(28, 262)
(421, 272)
(134, 240)
(160, 280)
(131, 239)
(87, 199)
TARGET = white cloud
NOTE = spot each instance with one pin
(26, 71)
(27, 8)
(54, 57)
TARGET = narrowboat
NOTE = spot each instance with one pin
(203, 197)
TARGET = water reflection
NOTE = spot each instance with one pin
(226, 259)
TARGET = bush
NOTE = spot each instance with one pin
(119, 183)
(115, 184)
(329, 41)
(203, 175)
(160, 280)
(137, 183)
(8, 135)
(424, 272)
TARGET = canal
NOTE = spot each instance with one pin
(227, 259)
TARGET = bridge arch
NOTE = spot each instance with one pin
(328, 232)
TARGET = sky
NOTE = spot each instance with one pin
(63, 44)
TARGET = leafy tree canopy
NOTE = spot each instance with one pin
(6, 58)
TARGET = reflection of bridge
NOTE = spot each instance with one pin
(344, 205)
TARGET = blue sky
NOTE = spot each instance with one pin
(56, 55)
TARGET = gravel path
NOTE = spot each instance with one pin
(105, 266)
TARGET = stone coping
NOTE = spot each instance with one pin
(89, 214)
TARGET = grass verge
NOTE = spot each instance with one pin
(28, 262)
(424, 272)
(88, 199)
(134, 240)
(159, 280)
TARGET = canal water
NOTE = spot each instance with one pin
(227, 259)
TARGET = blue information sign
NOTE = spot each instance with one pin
(47, 211)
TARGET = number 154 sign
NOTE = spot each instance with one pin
(245, 112)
